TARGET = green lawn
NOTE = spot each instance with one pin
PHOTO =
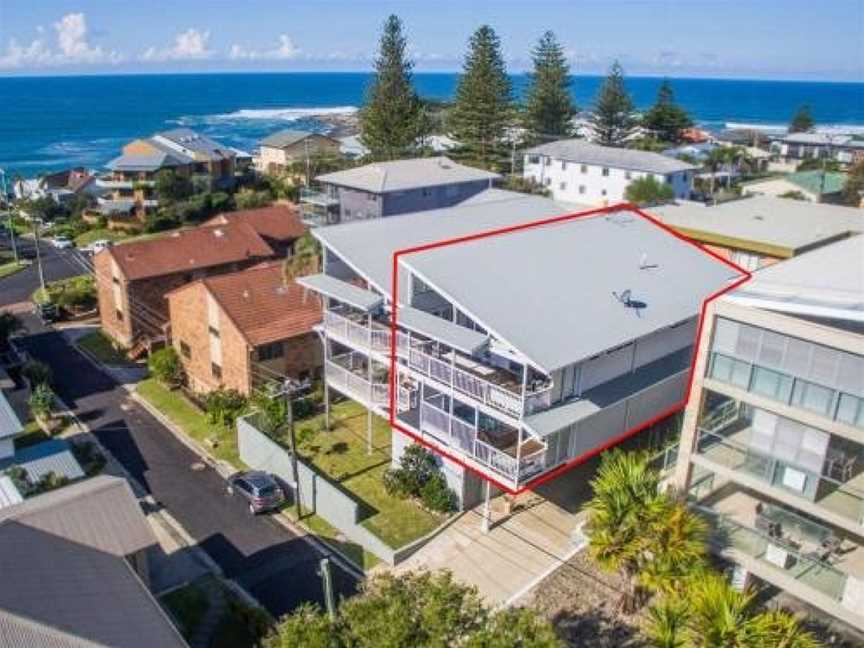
(11, 268)
(92, 235)
(188, 604)
(99, 346)
(186, 415)
(342, 455)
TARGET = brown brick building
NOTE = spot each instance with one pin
(240, 329)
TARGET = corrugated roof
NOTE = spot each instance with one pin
(453, 335)
(188, 250)
(145, 161)
(401, 175)
(288, 137)
(581, 151)
(365, 300)
(765, 220)
(65, 580)
(53, 456)
(818, 182)
(186, 141)
(263, 306)
(10, 425)
(9, 495)
(550, 291)
(276, 222)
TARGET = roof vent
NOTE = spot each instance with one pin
(759, 217)
(218, 233)
(245, 293)
(643, 263)
(626, 298)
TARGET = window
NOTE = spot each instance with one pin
(813, 397)
(216, 370)
(270, 351)
(213, 331)
(185, 351)
(605, 172)
(115, 280)
(119, 315)
(850, 410)
(730, 370)
(547, 181)
(668, 179)
(533, 159)
(771, 384)
(581, 189)
(347, 213)
(584, 168)
(628, 175)
(563, 186)
(603, 192)
(563, 165)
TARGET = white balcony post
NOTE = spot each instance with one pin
(369, 408)
(484, 522)
(326, 387)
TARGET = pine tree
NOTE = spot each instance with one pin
(483, 108)
(612, 119)
(392, 119)
(666, 118)
(548, 105)
(802, 120)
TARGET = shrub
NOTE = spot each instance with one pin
(436, 495)
(272, 412)
(37, 373)
(20, 479)
(223, 406)
(42, 401)
(9, 324)
(89, 456)
(419, 465)
(165, 365)
(303, 407)
(395, 483)
(48, 482)
(250, 199)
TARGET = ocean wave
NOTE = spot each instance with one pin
(834, 129)
(267, 114)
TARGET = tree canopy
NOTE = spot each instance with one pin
(648, 191)
(483, 109)
(392, 119)
(802, 120)
(416, 609)
(548, 104)
(613, 119)
(853, 189)
(666, 118)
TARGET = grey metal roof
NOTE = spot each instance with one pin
(827, 282)
(185, 139)
(791, 224)
(581, 151)
(144, 162)
(453, 335)
(603, 396)
(100, 513)
(50, 456)
(10, 425)
(401, 175)
(549, 291)
(365, 300)
(287, 138)
(9, 495)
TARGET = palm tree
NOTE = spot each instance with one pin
(666, 625)
(636, 530)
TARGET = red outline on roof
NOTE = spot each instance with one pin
(745, 276)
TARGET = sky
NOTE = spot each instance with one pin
(763, 39)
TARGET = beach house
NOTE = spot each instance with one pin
(130, 182)
(809, 146)
(386, 189)
(578, 171)
(278, 151)
(772, 446)
(515, 354)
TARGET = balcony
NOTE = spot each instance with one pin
(790, 550)
(348, 373)
(724, 442)
(493, 386)
(318, 208)
(496, 449)
(110, 182)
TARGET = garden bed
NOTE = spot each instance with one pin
(100, 347)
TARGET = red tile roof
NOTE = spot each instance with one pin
(190, 249)
(263, 306)
(277, 222)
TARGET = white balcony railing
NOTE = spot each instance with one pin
(357, 387)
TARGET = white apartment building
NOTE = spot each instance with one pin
(516, 353)
(772, 446)
(581, 172)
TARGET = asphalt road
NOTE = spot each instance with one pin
(56, 264)
(275, 566)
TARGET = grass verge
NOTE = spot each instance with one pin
(11, 268)
(100, 347)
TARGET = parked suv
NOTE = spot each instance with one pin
(258, 488)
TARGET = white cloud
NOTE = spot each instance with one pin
(72, 47)
(188, 45)
(284, 51)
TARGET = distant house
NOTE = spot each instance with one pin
(133, 278)
(278, 151)
(351, 147)
(131, 179)
(808, 146)
(241, 329)
(75, 572)
(759, 231)
(389, 188)
(581, 172)
(815, 186)
(62, 186)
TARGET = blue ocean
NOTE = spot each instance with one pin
(50, 123)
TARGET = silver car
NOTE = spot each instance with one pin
(260, 489)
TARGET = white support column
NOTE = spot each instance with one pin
(369, 408)
(326, 386)
(487, 514)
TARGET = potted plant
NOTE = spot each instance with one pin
(42, 406)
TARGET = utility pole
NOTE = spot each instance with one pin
(12, 243)
(38, 255)
(327, 582)
(308, 169)
(288, 390)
